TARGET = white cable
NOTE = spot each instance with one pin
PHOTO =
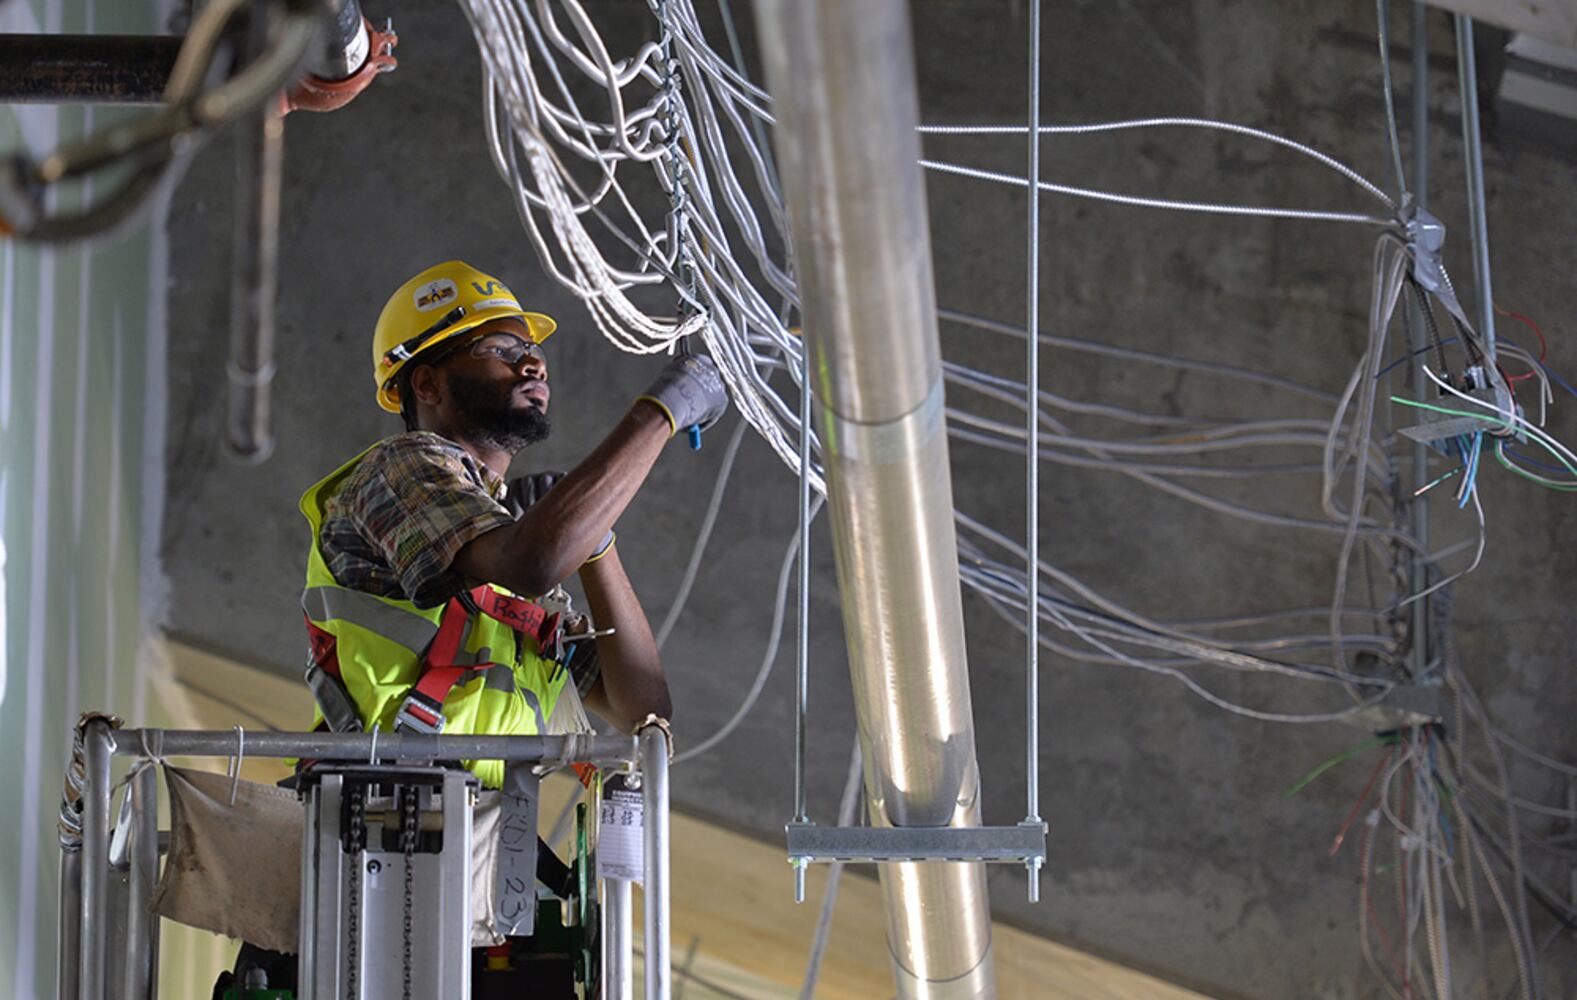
(1214, 208)
(774, 640)
(708, 522)
(1143, 123)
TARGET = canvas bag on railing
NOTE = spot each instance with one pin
(236, 869)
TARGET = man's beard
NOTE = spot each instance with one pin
(489, 407)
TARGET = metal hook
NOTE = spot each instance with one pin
(372, 758)
(235, 763)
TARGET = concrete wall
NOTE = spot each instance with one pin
(1173, 848)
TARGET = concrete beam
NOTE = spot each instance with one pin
(1553, 21)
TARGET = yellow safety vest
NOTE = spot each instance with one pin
(376, 646)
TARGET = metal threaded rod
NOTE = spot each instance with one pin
(1032, 428)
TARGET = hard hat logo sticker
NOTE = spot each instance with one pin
(431, 296)
(488, 288)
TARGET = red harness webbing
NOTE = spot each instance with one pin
(440, 671)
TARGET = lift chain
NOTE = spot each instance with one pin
(409, 801)
(357, 843)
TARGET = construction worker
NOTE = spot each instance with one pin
(426, 572)
(424, 523)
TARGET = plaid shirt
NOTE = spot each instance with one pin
(395, 524)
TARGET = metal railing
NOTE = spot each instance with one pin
(85, 965)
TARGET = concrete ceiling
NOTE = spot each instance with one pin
(1172, 846)
(1552, 20)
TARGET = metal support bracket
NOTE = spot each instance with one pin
(1023, 844)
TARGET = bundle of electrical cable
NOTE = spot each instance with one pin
(677, 106)
(689, 212)
(674, 107)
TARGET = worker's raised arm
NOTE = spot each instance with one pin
(630, 683)
(553, 538)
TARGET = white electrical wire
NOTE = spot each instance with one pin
(774, 641)
(676, 125)
(1171, 204)
(1173, 122)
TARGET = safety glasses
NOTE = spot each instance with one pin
(506, 347)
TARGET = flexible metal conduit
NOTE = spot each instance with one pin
(843, 83)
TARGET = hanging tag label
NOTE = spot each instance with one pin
(621, 843)
(515, 912)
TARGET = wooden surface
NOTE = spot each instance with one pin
(1551, 20)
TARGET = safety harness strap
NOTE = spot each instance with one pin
(519, 614)
(422, 709)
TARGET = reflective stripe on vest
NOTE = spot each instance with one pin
(378, 644)
(407, 628)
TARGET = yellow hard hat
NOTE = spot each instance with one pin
(441, 303)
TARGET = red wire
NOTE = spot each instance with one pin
(1368, 832)
(1544, 345)
(1368, 902)
(1352, 814)
(1512, 380)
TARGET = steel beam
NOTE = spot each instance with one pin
(86, 69)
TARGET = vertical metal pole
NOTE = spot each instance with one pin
(70, 951)
(1571, 826)
(1032, 438)
(98, 744)
(259, 152)
(618, 955)
(802, 652)
(1473, 154)
(142, 926)
(802, 658)
(654, 801)
(1420, 338)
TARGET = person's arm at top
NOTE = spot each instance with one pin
(557, 535)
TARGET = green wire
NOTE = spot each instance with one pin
(1492, 419)
(1344, 755)
(1526, 474)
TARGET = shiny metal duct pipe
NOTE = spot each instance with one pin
(842, 79)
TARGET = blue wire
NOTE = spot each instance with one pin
(1414, 354)
(1554, 375)
(1471, 472)
(1557, 379)
(1525, 460)
(1462, 453)
(1444, 817)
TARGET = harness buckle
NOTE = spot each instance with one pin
(420, 714)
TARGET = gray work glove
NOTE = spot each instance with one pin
(526, 490)
(690, 391)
